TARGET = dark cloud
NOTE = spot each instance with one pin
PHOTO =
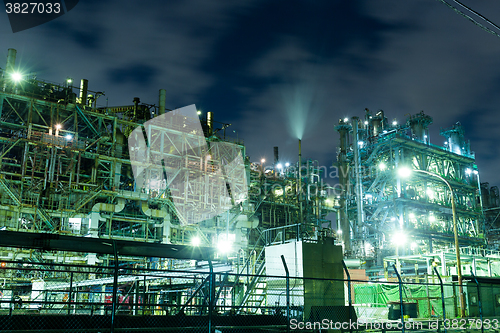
(133, 74)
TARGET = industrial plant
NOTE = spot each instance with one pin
(139, 210)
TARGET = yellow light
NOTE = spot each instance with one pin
(58, 126)
(263, 161)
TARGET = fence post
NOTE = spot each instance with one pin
(401, 306)
(287, 293)
(70, 292)
(478, 300)
(349, 292)
(210, 295)
(115, 289)
(442, 298)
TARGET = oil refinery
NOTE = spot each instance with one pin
(168, 199)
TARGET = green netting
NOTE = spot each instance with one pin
(428, 298)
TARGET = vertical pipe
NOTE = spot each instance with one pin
(161, 103)
(115, 288)
(287, 293)
(276, 156)
(349, 292)
(400, 299)
(359, 185)
(442, 298)
(70, 292)
(210, 295)
(84, 86)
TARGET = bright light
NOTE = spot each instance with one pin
(16, 76)
(368, 196)
(366, 122)
(198, 112)
(195, 241)
(224, 246)
(68, 137)
(432, 218)
(263, 161)
(430, 193)
(468, 171)
(69, 80)
(475, 172)
(346, 120)
(382, 166)
(339, 232)
(413, 245)
(384, 131)
(394, 123)
(360, 144)
(404, 172)
(287, 164)
(58, 126)
(399, 238)
(411, 215)
(279, 166)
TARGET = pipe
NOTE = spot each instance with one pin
(111, 208)
(84, 87)
(276, 156)
(161, 103)
(160, 214)
(359, 185)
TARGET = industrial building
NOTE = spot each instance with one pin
(143, 188)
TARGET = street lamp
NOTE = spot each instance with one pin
(406, 172)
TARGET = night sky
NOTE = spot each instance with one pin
(277, 70)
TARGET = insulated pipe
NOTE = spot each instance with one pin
(111, 208)
(359, 185)
(161, 103)
(161, 214)
(276, 156)
(84, 87)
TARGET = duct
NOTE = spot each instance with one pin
(353, 263)
(161, 103)
(159, 214)
(112, 208)
(84, 86)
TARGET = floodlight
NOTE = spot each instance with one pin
(68, 137)
(263, 161)
(224, 246)
(58, 126)
(394, 123)
(399, 238)
(339, 232)
(287, 164)
(198, 112)
(382, 166)
(16, 76)
(195, 241)
(404, 172)
(346, 120)
(279, 166)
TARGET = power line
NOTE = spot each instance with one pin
(471, 19)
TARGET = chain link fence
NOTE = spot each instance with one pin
(43, 297)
